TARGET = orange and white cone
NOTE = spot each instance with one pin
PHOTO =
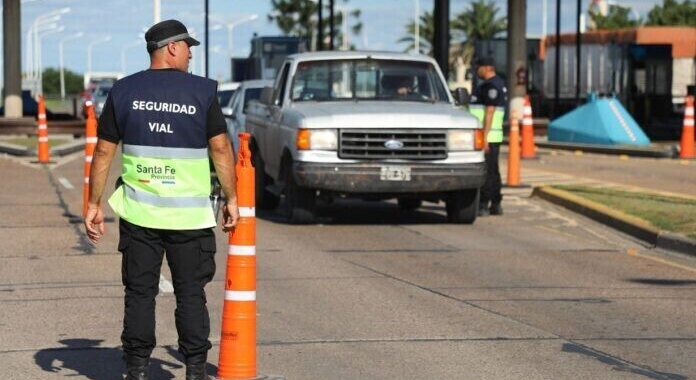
(687, 137)
(44, 153)
(238, 336)
(513, 176)
(528, 146)
(90, 144)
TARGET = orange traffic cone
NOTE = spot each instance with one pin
(528, 147)
(513, 177)
(687, 137)
(44, 154)
(90, 144)
(238, 337)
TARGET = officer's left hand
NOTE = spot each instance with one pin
(230, 216)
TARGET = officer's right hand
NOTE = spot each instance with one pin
(94, 223)
(230, 216)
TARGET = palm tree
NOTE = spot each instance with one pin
(478, 22)
(426, 34)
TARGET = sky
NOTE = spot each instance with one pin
(125, 20)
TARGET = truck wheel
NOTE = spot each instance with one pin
(265, 200)
(409, 204)
(462, 206)
(300, 203)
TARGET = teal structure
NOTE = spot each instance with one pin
(602, 121)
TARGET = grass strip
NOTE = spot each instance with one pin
(666, 213)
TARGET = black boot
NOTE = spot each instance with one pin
(137, 368)
(496, 209)
(195, 367)
(483, 209)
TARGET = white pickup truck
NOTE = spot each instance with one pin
(368, 125)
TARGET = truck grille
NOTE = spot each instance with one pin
(370, 144)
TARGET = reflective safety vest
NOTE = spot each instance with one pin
(161, 117)
(478, 109)
(495, 135)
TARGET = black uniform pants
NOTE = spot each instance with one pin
(491, 190)
(191, 258)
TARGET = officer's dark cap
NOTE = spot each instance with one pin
(165, 32)
(485, 60)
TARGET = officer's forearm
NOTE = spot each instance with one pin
(101, 163)
(223, 159)
(488, 121)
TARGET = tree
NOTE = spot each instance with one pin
(51, 82)
(298, 18)
(672, 12)
(616, 18)
(479, 21)
(426, 32)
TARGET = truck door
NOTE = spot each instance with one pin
(272, 147)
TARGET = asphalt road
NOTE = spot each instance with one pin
(370, 293)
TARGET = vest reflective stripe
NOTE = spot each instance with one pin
(162, 152)
(495, 135)
(176, 202)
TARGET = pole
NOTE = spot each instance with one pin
(557, 66)
(516, 55)
(12, 52)
(60, 59)
(441, 48)
(416, 22)
(331, 25)
(578, 72)
(207, 25)
(320, 26)
(156, 11)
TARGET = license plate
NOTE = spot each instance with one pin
(395, 173)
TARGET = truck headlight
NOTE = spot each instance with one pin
(461, 139)
(317, 139)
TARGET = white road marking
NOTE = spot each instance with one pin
(164, 285)
(64, 181)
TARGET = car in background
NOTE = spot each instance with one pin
(225, 92)
(97, 94)
(235, 110)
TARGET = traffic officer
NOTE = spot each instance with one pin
(167, 121)
(488, 103)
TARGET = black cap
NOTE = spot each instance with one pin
(485, 60)
(165, 32)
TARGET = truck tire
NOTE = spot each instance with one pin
(300, 202)
(462, 206)
(265, 200)
(410, 204)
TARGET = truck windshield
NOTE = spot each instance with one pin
(367, 80)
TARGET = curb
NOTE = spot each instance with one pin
(60, 151)
(627, 224)
(651, 151)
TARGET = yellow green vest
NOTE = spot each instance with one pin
(495, 135)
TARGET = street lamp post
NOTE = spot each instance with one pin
(230, 26)
(40, 64)
(47, 17)
(89, 50)
(123, 54)
(60, 59)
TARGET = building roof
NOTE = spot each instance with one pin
(681, 38)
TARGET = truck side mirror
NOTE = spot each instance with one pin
(227, 111)
(461, 95)
(266, 96)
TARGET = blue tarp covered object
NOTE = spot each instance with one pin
(599, 121)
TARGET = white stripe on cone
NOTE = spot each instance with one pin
(527, 110)
(43, 139)
(241, 250)
(43, 126)
(86, 179)
(689, 111)
(235, 295)
(688, 122)
(42, 116)
(91, 140)
(247, 212)
(88, 158)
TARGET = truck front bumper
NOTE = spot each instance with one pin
(362, 178)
